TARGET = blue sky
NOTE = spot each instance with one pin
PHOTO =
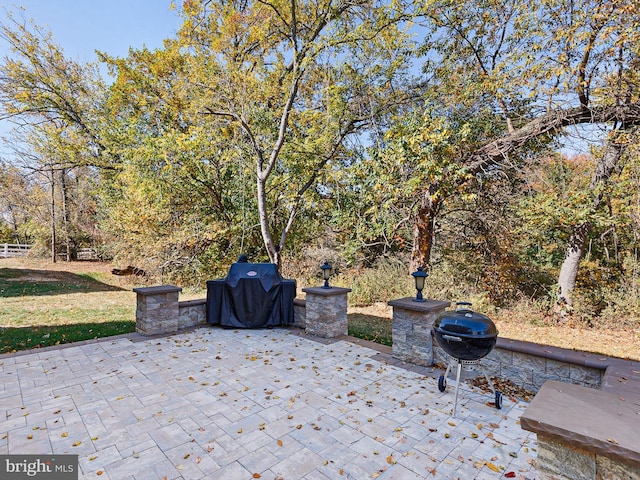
(82, 26)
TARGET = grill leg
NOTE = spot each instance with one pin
(446, 372)
(458, 370)
(488, 381)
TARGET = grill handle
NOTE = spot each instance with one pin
(463, 305)
(451, 338)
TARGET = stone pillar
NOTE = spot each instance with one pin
(157, 309)
(326, 311)
(411, 329)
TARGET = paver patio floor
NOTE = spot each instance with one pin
(241, 404)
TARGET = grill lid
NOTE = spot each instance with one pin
(464, 322)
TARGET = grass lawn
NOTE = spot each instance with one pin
(43, 304)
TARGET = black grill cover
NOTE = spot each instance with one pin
(253, 295)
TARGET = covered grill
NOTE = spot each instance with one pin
(253, 295)
(466, 336)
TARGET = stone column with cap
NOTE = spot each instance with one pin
(157, 309)
(326, 311)
(411, 329)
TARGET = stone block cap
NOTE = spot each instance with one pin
(427, 306)
(159, 289)
(326, 292)
(598, 422)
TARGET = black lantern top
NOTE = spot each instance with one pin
(419, 277)
(327, 270)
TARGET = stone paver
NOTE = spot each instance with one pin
(242, 404)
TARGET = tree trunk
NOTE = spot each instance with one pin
(271, 247)
(424, 230)
(65, 213)
(569, 269)
(577, 241)
(53, 216)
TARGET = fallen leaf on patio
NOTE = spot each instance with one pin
(341, 472)
(209, 449)
(29, 437)
(75, 444)
(480, 426)
(474, 435)
(513, 454)
(453, 424)
(93, 439)
(611, 440)
(180, 467)
(494, 425)
(135, 455)
(289, 417)
(390, 460)
(351, 393)
(5, 436)
(91, 459)
(491, 466)
(99, 472)
(187, 455)
(279, 442)
(447, 435)
(510, 475)
(198, 460)
(56, 412)
(239, 430)
(256, 475)
(298, 427)
(64, 434)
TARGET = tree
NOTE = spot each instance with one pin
(39, 84)
(14, 208)
(541, 68)
(293, 81)
(54, 105)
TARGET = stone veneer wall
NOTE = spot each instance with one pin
(299, 312)
(192, 313)
(531, 370)
(560, 460)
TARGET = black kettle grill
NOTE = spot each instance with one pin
(466, 336)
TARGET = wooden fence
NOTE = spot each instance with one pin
(8, 250)
(13, 250)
